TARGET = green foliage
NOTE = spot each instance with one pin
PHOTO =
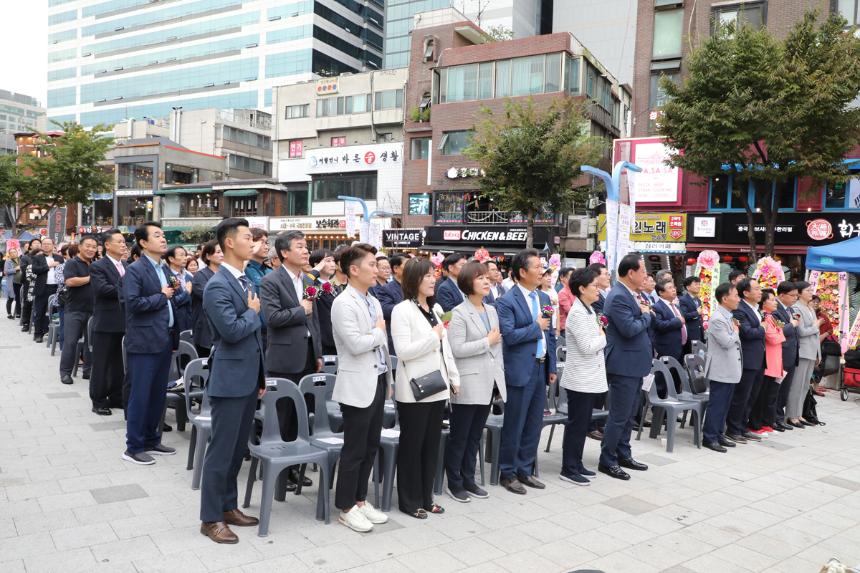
(768, 109)
(531, 156)
(12, 182)
(500, 33)
(416, 114)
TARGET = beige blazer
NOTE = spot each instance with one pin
(357, 340)
(480, 365)
(418, 351)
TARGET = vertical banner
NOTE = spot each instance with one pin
(625, 224)
(57, 224)
(349, 211)
(375, 233)
(611, 234)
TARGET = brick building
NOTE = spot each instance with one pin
(454, 72)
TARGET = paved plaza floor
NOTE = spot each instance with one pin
(69, 503)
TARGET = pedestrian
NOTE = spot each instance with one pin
(78, 308)
(763, 413)
(12, 287)
(33, 247)
(44, 268)
(751, 332)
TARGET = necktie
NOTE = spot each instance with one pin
(535, 311)
(243, 280)
(683, 326)
(119, 268)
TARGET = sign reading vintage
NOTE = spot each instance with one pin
(407, 238)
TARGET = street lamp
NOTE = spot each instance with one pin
(366, 214)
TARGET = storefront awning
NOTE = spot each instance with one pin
(190, 190)
(241, 193)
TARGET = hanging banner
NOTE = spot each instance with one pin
(57, 224)
(374, 235)
(349, 210)
(850, 341)
(611, 233)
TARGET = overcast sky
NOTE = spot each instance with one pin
(24, 42)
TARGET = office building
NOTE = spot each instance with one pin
(111, 60)
(18, 113)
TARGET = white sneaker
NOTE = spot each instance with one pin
(372, 514)
(355, 520)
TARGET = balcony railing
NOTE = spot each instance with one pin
(491, 218)
(186, 211)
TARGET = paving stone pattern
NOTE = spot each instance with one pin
(68, 503)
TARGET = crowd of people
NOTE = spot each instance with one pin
(455, 343)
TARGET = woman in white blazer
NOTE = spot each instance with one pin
(584, 376)
(476, 344)
(809, 354)
(421, 345)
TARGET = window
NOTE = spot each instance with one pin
(461, 83)
(844, 194)
(657, 97)
(250, 164)
(343, 105)
(419, 203)
(339, 141)
(296, 148)
(454, 142)
(503, 78)
(573, 81)
(552, 81)
(449, 207)
(135, 175)
(296, 111)
(388, 99)
(245, 137)
(527, 76)
(748, 14)
(199, 205)
(668, 30)
(728, 194)
(61, 97)
(329, 187)
(244, 206)
(485, 80)
(420, 148)
(849, 10)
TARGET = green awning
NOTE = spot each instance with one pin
(195, 190)
(240, 193)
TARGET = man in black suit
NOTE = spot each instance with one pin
(211, 257)
(691, 309)
(391, 294)
(30, 252)
(448, 294)
(106, 382)
(79, 308)
(44, 268)
(751, 332)
(293, 336)
(787, 295)
(497, 289)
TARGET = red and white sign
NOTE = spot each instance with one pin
(657, 182)
(819, 229)
(451, 235)
(677, 227)
(369, 157)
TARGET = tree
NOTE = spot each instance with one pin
(13, 186)
(531, 156)
(767, 110)
(500, 33)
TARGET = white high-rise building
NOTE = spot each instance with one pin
(111, 60)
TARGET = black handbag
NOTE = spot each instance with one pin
(428, 385)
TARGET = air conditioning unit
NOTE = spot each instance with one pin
(577, 227)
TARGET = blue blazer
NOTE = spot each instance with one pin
(182, 304)
(791, 346)
(490, 299)
(146, 314)
(690, 311)
(752, 336)
(236, 362)
(520, 334)
(448, 295)
(628, 341)
(389, 296)
(667, 332)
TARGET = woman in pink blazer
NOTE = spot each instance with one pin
(763, 414)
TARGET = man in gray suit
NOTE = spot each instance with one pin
(723, 368)
(235, 381)
(293, 333)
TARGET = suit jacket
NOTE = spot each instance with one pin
(597, 306)
(448, 295)
(236, 362)
(628, 340)
(773, 341)
(752, 336)
(690, 310)
(725, 361)
(520, 334)
(667, 331)
(565, 303)
(287, 325)
(480, 365)
(184, 305)
(357, 340)
(490, 299)
(389, 296)
(108, 311)
(39, 266)
(146, 314)
(419, 352)
(199, 324)
(585, 363)
(791, 346)
(807, 333)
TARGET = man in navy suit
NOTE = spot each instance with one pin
(497, 289)
(628, 359)
(235, 381)
(691, 309)
(149, 342)
(669, 326)
(787, 295)
(752, 346)
(391, 294)
(529, 353)
(449, 295)
(106, 275)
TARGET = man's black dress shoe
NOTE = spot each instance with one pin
(530, 481)
(736, 439)
(805, 423)
(785, 426)
(750, 436)
(294, 477)
(166, 428)
(102, 411)
(25, 328)
(727, 443)
(715, 447)
(614, 471)
(66, 379)
(39, 339)
(778, 427)
(632, 464)
(513, 485)
(85, 375)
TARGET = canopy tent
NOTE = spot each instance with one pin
(838, 257)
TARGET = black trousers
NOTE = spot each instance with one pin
(202, 351)
(40, 309)
(361, 430)
(461, 452)
(74, 326)
(746, 393)
(26, 308)
(764, 410)
(420, 433)
(289, 425)
(598, 403)
(782, 396)
(16, 288)
(232, 419)
(579, 407)
(107, 377)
